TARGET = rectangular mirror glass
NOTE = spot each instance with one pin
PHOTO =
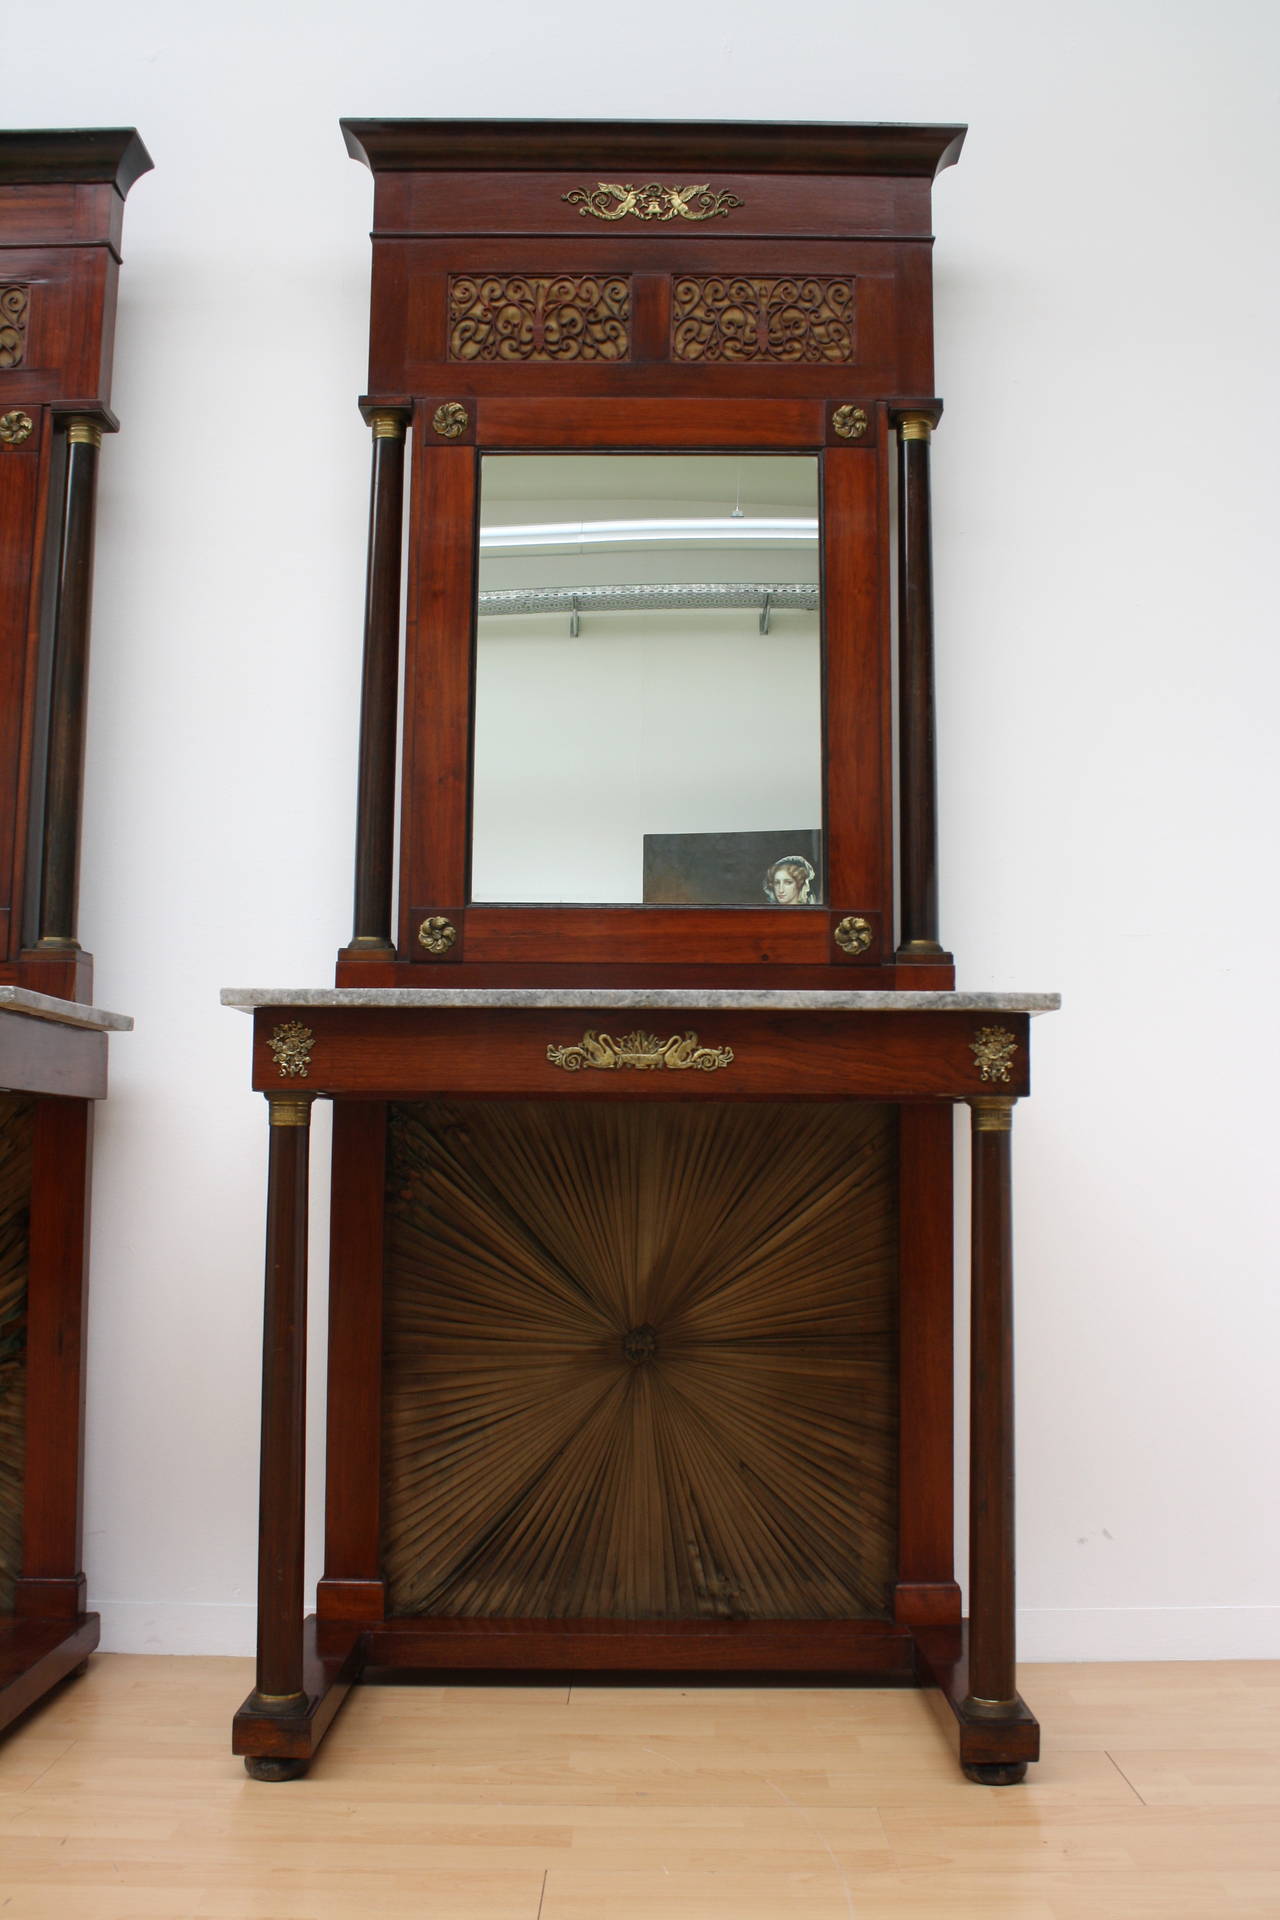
(648, 720)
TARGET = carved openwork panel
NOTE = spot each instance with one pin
(14, 303)
(737, 319)
(543, 317)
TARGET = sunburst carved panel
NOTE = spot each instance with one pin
(737, 319)
(640, 1361)
(561, 317)
(17, 1121)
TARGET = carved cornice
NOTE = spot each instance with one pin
(647, 150)
(81, 155)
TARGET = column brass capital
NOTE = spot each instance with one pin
(289, 1109)
(387, 426)
(914, 426)
(83, 432)
(992, 1112)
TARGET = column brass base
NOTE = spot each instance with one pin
(286, 1704)
(973, 1707)
(923, 952)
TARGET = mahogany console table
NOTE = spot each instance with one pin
(53, 1066)
(904, 1057)
(62, 200)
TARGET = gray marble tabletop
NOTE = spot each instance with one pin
(67, 1013)
(762, 1000)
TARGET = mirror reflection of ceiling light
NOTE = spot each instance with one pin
(589, 533)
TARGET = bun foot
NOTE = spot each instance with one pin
(78, 1673)
(998, 1773)
(262, 1767)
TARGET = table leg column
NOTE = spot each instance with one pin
(992, 1692)
(281, 1509)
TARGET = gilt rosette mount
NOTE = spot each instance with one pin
(993, 1049)
(609, 201)
(437, 935)
(291, 1046)
(643, 1051)
(850, 422)
(853, 935)
(451, 420)
(15, 427)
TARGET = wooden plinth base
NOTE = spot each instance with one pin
(278, 1742)
(36, 1654)
(993, 1748)
(878, 1649)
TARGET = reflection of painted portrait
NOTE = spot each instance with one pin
(789, 881)
(733, 869)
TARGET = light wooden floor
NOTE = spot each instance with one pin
(1160, 1795)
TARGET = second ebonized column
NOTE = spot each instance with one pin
(60, 841)
(917, 755)
(375, 809)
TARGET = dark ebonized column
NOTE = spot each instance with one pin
(375, 810)
(60, 844)
(917, 756)
(282, 1489)
(992, 1678)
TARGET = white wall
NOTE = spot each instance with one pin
(1105, 505)
(646, 723)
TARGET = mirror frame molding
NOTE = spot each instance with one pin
(439, 669)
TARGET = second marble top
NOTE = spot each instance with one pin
(64, 1013)
(755, 1000)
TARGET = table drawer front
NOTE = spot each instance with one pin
(578, 1053)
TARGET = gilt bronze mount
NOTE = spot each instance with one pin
(643, 1051)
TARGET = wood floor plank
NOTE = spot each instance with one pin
(1202, 1777)
(1156, 1800)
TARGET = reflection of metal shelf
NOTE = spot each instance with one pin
(648, 599)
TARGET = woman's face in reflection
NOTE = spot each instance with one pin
(786, 886)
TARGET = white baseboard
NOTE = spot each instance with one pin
(1044, 1633)
(175, 1626)
(1149, 1633)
